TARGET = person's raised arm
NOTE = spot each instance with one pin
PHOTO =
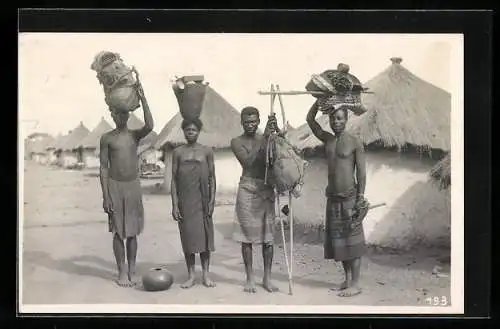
(148, 118)
(360, 169)
(314, 125)
(104, 173)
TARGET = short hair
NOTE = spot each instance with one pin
(194, 121)
(343, 109)
(250, 110)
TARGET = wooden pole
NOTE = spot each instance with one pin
(301, 92)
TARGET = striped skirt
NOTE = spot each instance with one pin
(344, 238)
(255, 212)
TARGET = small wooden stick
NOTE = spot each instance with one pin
(282, 108)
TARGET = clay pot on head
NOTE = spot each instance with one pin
(157, 279)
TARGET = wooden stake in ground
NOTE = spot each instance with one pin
(273, 96)
(290, 207)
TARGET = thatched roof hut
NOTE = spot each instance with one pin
(441, 172)
(72, 141)
(93, 138)
(403, 111)
(147, 142)
(221, 123)
(36, 135)
(59, 142)
(53, 143)
(37, 144)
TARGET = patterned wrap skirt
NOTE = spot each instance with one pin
(344, 235)
(255, 212)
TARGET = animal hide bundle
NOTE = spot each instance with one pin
(287, 166)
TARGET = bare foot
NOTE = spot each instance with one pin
(123, 280)
(250, 287)
(134, 279)
(344, 285)
(207, 282)
(349, 292)
(269, 286)
(188, 284)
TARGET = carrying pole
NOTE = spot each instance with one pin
(290, 207)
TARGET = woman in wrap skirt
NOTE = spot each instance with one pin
(193, 199)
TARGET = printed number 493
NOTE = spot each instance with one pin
(437, 301)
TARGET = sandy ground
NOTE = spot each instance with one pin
(67, 256)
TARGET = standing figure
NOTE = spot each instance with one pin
(344, 235)
(121, 188)
(193, 200)
(255, 200)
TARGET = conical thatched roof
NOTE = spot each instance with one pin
(60, 142)
(73, 139)
(37, 143)
(147, 142)
(54, 142)
(38, 134)
(403, 110)
(221, 123)
(441, 172)
(93, 138)
(135, 123)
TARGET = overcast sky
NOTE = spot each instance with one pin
(58, 88)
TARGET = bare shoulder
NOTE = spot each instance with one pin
(177, 150)
(105, 137)
(236, 142)
(356, 141)
(208, 150)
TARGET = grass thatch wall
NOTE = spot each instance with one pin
(441, 173)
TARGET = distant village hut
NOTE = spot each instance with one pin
(91, 143)
(71, 153)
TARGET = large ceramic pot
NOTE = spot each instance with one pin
(190, 95)
(157, 279)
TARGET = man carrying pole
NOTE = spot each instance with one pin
(255, 201)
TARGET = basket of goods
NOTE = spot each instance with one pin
(118, 81)
(337, 88)
(190, 93)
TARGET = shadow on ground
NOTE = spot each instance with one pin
(423, 258)
(94, 266)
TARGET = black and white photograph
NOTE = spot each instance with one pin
(241, 173)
